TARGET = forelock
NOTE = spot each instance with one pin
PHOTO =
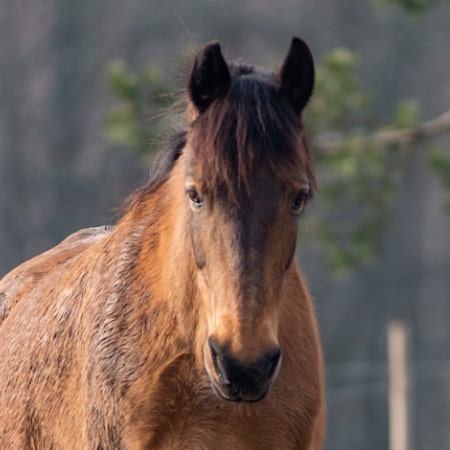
(251, 122)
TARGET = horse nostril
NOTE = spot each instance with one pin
(214, 349)
(217, 359)
(273, 361)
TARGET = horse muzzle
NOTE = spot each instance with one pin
(236, 381)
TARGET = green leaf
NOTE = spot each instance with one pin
(121, 127)
(122, 82)
(407, 114)
(438, 160)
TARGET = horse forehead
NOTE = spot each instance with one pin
(262, 174)
(256, 197)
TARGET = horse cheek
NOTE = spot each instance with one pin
(196, 242)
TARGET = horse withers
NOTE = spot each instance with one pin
(187, 325)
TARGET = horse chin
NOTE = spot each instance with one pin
(240, 397)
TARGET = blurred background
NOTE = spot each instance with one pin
(82, 85)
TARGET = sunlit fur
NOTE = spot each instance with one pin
(104, 338)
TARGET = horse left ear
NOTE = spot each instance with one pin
(296, 76)
(210, 77)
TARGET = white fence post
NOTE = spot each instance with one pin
(398, 386)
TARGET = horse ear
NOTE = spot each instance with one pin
(296, 76)
(210, 77)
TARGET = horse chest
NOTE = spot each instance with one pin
(221, 432)
(191, 423)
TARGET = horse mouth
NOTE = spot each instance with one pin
(236, 396)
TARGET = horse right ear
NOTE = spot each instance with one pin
(210, 77)
(296, 76)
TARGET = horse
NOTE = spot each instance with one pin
(188, 324)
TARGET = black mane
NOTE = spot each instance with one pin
(161, 168)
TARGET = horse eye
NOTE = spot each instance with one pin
(194, 197)
(299, 202)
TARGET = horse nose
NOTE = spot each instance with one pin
(238, 381)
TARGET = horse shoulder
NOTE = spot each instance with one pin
(26, 277)
(38, 395)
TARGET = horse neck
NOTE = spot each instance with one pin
(165, 264)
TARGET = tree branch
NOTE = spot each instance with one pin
(329, 143)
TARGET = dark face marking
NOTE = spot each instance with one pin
(248, 176)
(250, 233)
